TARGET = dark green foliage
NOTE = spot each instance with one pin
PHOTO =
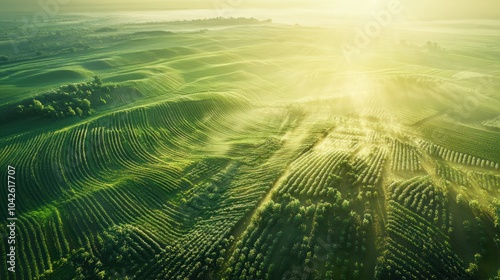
(67, 101)
(86, 265)
(118, 252)
(106, 29)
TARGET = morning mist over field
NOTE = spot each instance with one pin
(225, 139)
(425, 9)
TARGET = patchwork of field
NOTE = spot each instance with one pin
(242, 149)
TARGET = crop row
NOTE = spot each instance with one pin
(452, 174)
(321, 240)
(91, 155)
(423, 198)
(457, 157)
(369, 169)
(410, 233)
(404, 157)
(310, 173)
(217, 203)
(192, 255)
(487, 181)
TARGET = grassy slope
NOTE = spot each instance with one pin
(226, 119)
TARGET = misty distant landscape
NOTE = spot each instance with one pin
(251, 143)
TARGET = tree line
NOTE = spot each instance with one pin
(70, 100)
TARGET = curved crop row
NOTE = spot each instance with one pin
(404, 157)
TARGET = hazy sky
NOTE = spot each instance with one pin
(422, 9)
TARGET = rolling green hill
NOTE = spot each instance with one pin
(252, 150)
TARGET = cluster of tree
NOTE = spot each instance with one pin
(228, 21)
(67, 101)
(118, 254)
(368, 191)
(433, 46)
(106, 29)
(457, 157)
(86, 265)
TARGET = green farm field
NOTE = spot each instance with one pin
(237, 148)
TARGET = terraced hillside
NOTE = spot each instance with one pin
(252, 150)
